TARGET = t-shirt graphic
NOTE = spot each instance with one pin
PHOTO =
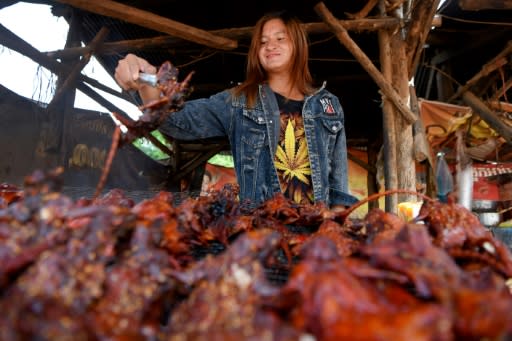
(292, 159)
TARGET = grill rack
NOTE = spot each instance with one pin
(276, 274)
(76, 193)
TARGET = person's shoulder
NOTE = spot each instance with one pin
(228, 97)
(225, 94)
(322, 91)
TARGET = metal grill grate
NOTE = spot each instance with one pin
(76, 193)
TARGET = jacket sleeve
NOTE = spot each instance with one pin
(200, 118)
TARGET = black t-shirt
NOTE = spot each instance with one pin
(292, 159)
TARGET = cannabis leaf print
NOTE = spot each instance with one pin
(292, 160)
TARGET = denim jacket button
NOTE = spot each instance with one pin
(334, 128)
(260, 119)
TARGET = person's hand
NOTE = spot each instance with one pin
(128, 69)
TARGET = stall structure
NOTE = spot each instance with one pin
(380, 58)
(422, 86)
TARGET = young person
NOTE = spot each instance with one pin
(285, 135)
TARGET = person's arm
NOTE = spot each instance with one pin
(127, 75)
(199, 118)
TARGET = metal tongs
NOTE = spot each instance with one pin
(148, 78)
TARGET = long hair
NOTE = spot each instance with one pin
(255, 74)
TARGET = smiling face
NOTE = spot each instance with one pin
(276, 49)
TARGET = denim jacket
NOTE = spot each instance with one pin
(253, 135)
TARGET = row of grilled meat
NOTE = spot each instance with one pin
(211, 268)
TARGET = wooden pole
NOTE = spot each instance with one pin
(487, 115)
(499, 105)
(371, 178)
(405, 164)
(12, 41)
(70, 81)
(231, 33)
(477, 5)
(502, 90)
(342, 35)
(365, 11)
(388, 127)
(420, 21)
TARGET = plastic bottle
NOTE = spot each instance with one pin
(444, 178)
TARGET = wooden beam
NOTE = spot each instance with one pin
(502, 90)
(357, 25)
(371, 178)
(500, 106)
(365, 10)
(12, 41)
(420, 24)
(477, 5)
(487, 115)
(95, 96)
(368, 167)
(231, 33)
(152, 21)
(497, 62)
(71, 78)
(343, 36)
(394, 6)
